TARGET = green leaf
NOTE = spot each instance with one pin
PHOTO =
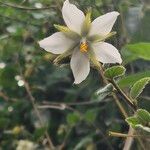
(90, 115)
(114, 72)
(141, 120)
(38, 133)
(143, 114)
(127, 56)
(133, 121)
(73, 118)
(7, 79)
(105, 90)
(138, 87)
(141, 50)
(147, 129)
(101, 93)
(131, 79)
(4, 122)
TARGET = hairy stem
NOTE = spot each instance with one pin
(123, 111)
(105, 81)
(131, 134)
(127, 99)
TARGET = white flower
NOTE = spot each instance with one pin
(25, 145)
(83, 40)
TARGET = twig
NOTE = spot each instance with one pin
(105, 137)
(25, 8)
(5, 97)
(124, 113)
(71, 103)
(101, 72)
(32, 99)
(116, 134)
(63, 106)
(120, 105)
(60, 106)
(62, 146)
(129, 140)
(134, 107)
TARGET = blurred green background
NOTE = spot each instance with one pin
(82, 127)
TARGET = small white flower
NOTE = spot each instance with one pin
(26, 145)
(83, 40)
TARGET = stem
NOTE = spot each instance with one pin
(129, 140)
(60, 106)
(105, 137)
(63, 106)
(102, 74)
(134, 107)
(62, 146)
(116, 134)
(85, 103)
(124, 113)
(5, 97)
(32, 99)
(114, 95)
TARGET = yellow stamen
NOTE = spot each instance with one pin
(83, 47)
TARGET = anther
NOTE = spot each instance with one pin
(84, 47)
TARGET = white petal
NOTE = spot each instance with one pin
(106, 53)
(73, 17)
(103, 24)
(56, 43)
(80, 66)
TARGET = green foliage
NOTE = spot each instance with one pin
(143, 115)
(138, 87)
(90, 115)
(101, 93)
(135, 51)
(7, 78)
(140, 120)
(73, 118)
(133, 121)
(114, 72)
(129, 80)
(38, 133)
(82, 126)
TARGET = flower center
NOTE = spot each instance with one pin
(83, 45)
